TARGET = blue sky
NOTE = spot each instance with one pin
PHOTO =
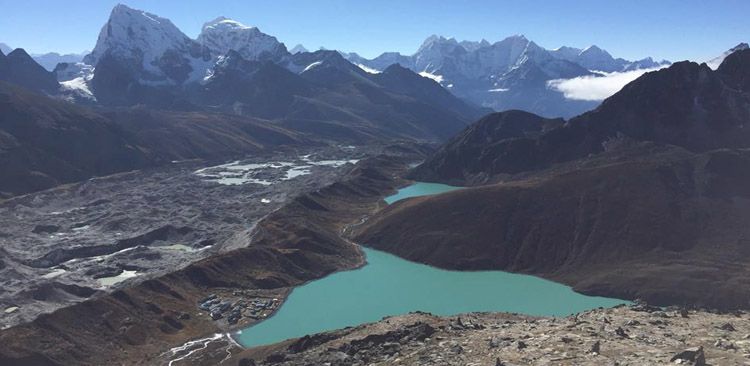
(670, 29)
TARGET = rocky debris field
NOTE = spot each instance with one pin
(159, 320)
(626, 335)
(70, 243)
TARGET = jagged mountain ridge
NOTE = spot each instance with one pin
(595, 58)
(508, 74)
(233, 68)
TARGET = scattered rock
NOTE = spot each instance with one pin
(45, 229)
(724, 345)
(596, 347)
(521, 344)
(694, 355)
(728, 327)
(391, 348)
(621, 333)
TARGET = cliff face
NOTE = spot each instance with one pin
(645, 221)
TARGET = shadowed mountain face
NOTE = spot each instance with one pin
(687, 105)
(319, 88)
(19, 68)
(644, 197)
(45, 142)
(323, 90)
(481, 148)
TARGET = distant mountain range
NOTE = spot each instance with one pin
(157, 64)
(153, 90)
(510, 74)
(514, 73)
(144, 61)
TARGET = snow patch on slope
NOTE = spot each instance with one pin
(429, 75)
(223, 34)
(369, 70)
(79, 86)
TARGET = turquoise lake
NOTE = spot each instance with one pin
(419, 189)
(389, 285)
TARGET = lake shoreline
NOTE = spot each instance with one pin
(461, 301)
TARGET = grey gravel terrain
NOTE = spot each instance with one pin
(70, 243)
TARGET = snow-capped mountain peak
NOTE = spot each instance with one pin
(224, 22)
(135, 33)
(595, 58)
(223, 34)
(437, 41)
(595, 50)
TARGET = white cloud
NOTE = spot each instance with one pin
(596, 87)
